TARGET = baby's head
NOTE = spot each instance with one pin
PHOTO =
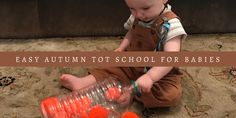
(146, 10)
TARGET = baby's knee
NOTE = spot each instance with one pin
(172, 96)
(167, 98)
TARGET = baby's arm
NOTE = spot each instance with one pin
(124, 44)
(146, 81)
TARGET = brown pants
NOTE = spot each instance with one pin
(164, 93)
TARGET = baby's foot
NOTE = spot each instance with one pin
(75, 83)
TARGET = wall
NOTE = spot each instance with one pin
(60, 18)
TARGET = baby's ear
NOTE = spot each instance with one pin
(165, 1)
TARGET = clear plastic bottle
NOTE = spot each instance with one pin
(98, 100)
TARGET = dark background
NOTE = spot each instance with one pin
(62, 18)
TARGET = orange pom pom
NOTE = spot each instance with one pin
(83, 115)
(82, 104)
(49, 106)
(98, 112)
(112, 93)
(129, 114)
(61, 114)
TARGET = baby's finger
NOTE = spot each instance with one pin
(140, 89)
(121, 98)
(124, 103)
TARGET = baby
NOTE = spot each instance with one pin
(159, 86)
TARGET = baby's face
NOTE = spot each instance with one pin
(145, 10)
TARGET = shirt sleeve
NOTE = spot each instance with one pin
(176, 29)
(129, 23)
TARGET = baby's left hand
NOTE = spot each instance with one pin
(125, 97)
(144, 83)
(118, 50)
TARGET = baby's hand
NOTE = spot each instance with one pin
(144, 83)
(118, 50)
(125, 97)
